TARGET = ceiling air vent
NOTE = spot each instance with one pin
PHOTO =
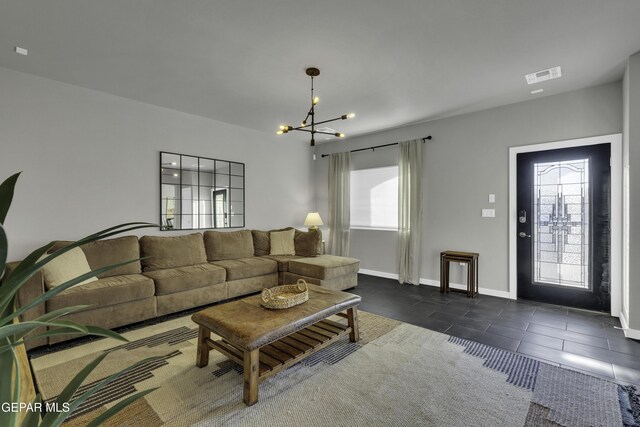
(327, 130)
(542, 75)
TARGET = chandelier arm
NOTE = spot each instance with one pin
(326, 133)
(330, 120)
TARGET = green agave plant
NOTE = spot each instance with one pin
(13, 333)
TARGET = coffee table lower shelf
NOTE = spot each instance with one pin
(261, 363)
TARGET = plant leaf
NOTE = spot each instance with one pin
(14, 284)
(17, 279)
(4, 251)
(119, 407)
(32, 258)
(68, 392)
(7, 331)
(8, 360)
(56, 314)
(91, 330)
(72, 387)
(6, 195)
(32, 419)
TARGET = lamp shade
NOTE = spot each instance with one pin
(313, 220)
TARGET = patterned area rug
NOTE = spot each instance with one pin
(397, 375)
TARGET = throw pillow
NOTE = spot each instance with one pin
(65, 267)
(282, 242)
(261, 241)
(308, 243)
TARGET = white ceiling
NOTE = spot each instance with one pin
(392, 63)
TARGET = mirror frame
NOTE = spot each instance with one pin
(180, 170)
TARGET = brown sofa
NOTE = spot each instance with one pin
(183, 272)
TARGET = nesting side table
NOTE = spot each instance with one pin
(471, 258)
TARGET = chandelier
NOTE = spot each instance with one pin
(305, 125)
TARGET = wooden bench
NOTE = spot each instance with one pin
(264, 342)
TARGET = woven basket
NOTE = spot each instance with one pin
(285, 296)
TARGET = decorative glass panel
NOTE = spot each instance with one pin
(561, 223)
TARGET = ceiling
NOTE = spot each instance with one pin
(392, 63)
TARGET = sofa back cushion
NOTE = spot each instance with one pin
(308, 243)
(112, 251)
(262, 241)
(102, 253)
(228, 245)
(172, 252)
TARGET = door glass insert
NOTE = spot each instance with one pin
(561, 223)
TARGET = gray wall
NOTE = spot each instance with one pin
(631, 158)
(466, 160)
(90, 160)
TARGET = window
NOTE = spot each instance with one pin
(374, 198)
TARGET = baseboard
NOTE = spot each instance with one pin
(430, 282)
(379, 274)
(481, 291)
(628, 332)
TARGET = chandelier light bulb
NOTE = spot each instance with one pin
(340, 135)
(282, 127)
(280, 132)
(351, 115)
(316, 100)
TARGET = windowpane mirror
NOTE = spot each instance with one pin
(198, 192)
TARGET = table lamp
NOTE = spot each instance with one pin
(313, 221)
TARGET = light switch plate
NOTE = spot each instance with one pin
(492, 198)
(488, 213)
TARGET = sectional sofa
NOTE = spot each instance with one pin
(178, 273)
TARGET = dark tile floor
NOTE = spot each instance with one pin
(576, 339)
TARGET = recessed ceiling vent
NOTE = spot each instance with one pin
(542, 75)
(325, 130)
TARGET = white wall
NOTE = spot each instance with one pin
(465, 162)
(90, 160)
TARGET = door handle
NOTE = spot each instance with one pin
(523, 234)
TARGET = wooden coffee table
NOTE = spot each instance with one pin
(264, 342)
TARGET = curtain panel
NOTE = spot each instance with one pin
(339, 209)
(409, 211)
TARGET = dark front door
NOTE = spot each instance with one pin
(563, 226)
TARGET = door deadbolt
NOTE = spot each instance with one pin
(522, 217)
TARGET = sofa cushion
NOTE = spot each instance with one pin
(282, 242)
(308, 243)
(230, 245)
(65, 267)
(180, 279)
(104, 292)
(247, 267)
(262, 242)
(324, 266)
(112, 251)
(172, 252)
(282, 260)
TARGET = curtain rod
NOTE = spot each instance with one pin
(380, 146)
